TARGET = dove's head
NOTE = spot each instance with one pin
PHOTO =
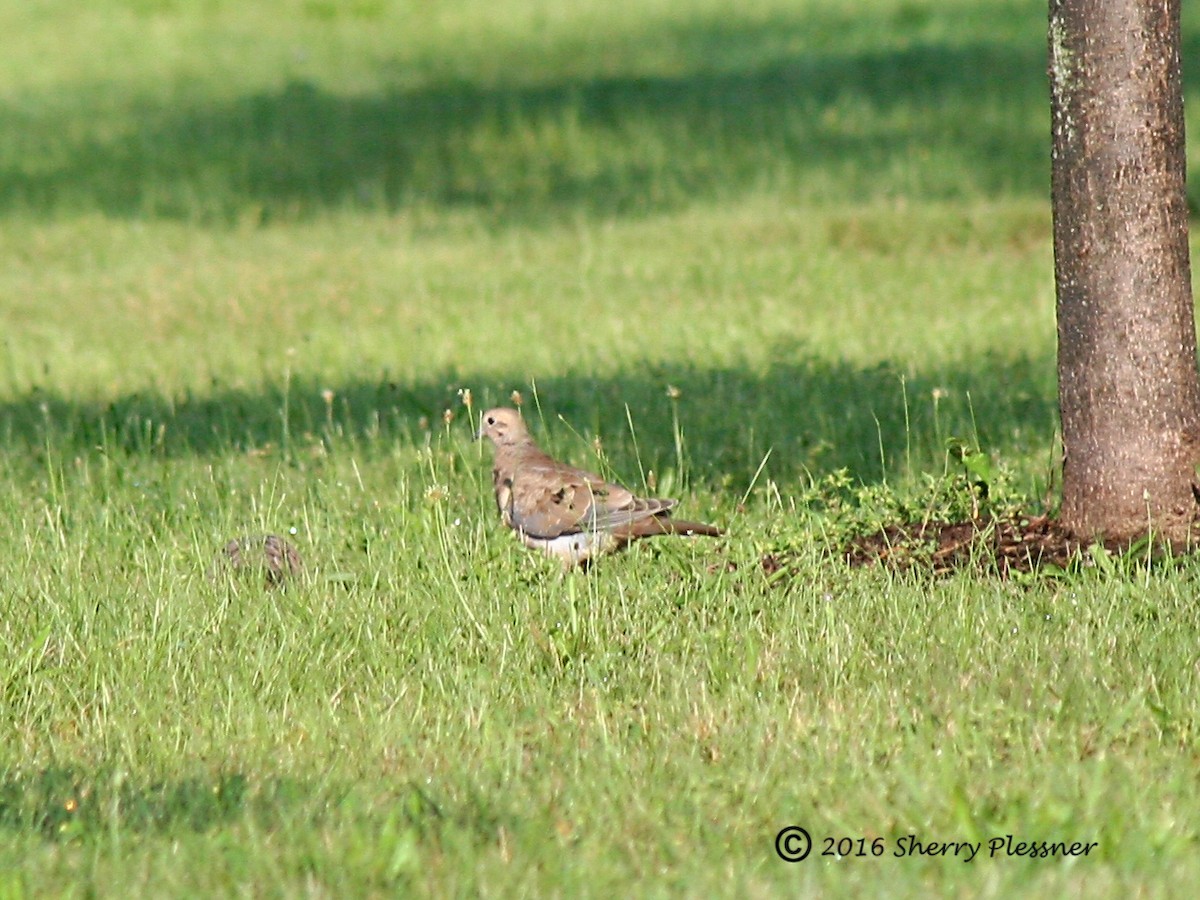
(503, 427)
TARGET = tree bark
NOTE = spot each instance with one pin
(1129, 394)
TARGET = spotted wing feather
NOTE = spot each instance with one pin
(549, 499)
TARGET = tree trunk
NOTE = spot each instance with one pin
(1128, 388)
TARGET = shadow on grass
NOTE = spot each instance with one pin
(63, 803)
(813, 416)
(925, 118)
(740, 111)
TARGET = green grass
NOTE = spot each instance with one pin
(253, 252)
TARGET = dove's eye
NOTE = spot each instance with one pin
(491, 420)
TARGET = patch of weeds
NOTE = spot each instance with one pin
(969, 515)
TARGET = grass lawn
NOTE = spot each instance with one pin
(774, 259)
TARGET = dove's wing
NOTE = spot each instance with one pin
(549, 499)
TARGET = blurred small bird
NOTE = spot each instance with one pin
(563, 511)
(265, 555)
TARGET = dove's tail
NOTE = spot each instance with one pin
(693, 528)
(656, 525)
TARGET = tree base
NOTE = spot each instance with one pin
(998, 546)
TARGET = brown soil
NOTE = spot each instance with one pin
(1004, 546)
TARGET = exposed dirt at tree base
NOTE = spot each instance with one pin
(1000, 545)
(995, 546)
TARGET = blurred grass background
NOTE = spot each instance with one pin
(756, 206)
(208, 112)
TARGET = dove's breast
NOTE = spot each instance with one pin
(503, 485)
(573, 549)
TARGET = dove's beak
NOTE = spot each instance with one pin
(478, 435)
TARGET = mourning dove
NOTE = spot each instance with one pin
(567, 513)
